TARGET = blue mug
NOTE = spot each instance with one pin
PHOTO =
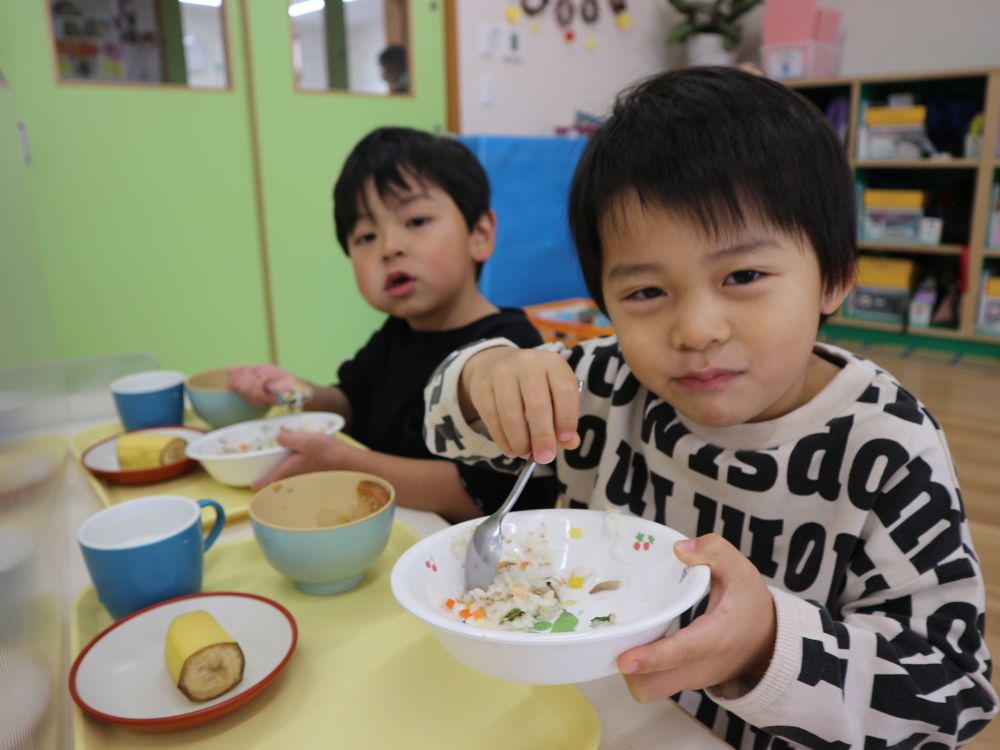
(154, 398)
(146, 550)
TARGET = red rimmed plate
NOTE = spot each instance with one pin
(120, 677)
(101, 459)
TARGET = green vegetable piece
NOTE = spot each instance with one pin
(565, 623)
(542, 625)
(598, 621)
(512, 615)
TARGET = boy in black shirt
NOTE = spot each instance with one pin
(412, 211)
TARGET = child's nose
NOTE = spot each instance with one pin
(393, 248)
(697, 325)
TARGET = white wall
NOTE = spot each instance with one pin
(555, 78)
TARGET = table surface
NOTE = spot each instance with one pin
(625, 724)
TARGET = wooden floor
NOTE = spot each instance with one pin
(965, 398)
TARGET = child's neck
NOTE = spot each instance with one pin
(468, 308)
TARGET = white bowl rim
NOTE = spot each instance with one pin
(198, 455)
(701, 579)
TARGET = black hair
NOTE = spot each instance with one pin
(718, 146)
(394, 54)
(389, 155)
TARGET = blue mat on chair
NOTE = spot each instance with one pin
(535, 260)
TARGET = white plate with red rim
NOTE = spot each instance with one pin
(120, 677)
(101, 459)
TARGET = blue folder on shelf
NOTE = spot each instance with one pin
(535, 259)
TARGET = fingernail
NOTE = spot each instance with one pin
(565, 437)
(545, 456)
(630, 667)
(685, 546)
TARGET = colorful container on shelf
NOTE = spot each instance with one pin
(882, 291)
(988, 318)
(799, 39)
(898, 215)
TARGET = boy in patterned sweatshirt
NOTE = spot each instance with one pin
(714, 220)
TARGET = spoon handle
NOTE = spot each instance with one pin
(515, 491)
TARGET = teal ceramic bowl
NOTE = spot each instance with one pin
(216, 404)
(324, 530)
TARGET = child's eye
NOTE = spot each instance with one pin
(649, 292)
(743, 277)
(364, 239)
(418, 221)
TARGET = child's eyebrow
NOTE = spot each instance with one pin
(741, 248)
(404, 199)
(632, 269)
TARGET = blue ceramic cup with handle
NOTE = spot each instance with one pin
(154, 398)
(146, 550)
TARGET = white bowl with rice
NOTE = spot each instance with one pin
(575, 589)
(242, 453)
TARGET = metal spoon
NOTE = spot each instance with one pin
(483, 555)
(293, 399)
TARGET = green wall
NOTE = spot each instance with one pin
(25, 325)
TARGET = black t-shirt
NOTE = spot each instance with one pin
(385, 385)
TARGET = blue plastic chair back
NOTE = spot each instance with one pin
(535, 259)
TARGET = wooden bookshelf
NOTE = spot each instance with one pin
(907, 248)
(916, 164)
(983, 171)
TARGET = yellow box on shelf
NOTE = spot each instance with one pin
(992, 287)
(886, 273)
(911, 199)
(895, 116)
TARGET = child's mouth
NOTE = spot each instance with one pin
(707, 380)
(399, 284)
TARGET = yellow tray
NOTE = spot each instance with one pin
(365, 674)
(196, 484)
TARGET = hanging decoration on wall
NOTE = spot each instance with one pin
(536, 28)
(569, 35)
(589, 11)
(534, 7)
(591, 43)
(564, 12)
(513, 14)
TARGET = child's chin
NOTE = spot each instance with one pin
(714, 418)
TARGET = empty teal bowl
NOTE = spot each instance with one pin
(218, 405)
(324, 530)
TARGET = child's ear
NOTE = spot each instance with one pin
(484, 236)
(832, 299)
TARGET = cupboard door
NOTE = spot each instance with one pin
(142, 193)
(311, 104)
